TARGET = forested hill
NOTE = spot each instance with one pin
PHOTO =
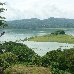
(35, 23)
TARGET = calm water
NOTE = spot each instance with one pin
(39, 47)
(42, 48)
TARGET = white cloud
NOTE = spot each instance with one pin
(21, 9)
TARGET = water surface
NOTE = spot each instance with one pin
(40, 48)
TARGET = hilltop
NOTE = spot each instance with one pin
(35, 23)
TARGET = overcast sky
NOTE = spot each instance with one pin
(42, 9)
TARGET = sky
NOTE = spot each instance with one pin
(42, 9)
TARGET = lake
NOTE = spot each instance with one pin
(40, 48)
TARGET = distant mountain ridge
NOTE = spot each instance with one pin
(35, 23)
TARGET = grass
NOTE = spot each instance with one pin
(19, 69)
(53, 38)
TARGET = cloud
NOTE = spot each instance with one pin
(21, 9)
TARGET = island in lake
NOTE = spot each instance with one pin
(57, 36)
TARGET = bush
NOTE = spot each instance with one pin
(7, 59)
(21, 51)
(59, 32)
(61, 60)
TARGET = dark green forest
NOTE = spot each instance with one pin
(35, 23)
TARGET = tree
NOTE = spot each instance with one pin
(59, 32)
(2, 19)
(2, 24)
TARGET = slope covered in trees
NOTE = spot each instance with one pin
(35, 23)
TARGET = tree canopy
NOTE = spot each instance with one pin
(59, 32)
(2, 19)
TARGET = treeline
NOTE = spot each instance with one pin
(59, 61)
(35, 23)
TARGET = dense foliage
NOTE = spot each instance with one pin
(59, 32)
(35, 23)
(60, 61)
(11, 52)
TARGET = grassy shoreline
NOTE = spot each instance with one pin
(53, 38)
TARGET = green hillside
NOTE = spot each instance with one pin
(35, 23)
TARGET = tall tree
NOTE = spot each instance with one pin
(2, 19)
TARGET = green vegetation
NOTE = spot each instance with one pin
(15, 53)
(20, 69)
(61, 62)
(11, 52)
(19, 59)
(2, 21)
(54, 37)
(59, 32)
(35, 23)
(16, 58)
